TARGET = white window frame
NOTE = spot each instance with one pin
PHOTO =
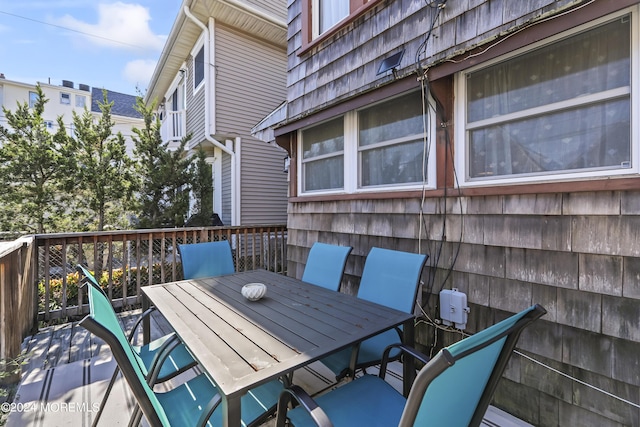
(81, 101)
(462, 130)
(352, 162)
(196, 49)
(65, 98)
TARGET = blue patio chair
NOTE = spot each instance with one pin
(192, 403)
(452, 389)
(389, 278)
(206, 259)
(157, 363)
(325, 265)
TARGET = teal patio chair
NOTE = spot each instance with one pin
(157, 363)
(452, 389)
(325, 265)
(389, 278)
(192, 403)
(206, 259)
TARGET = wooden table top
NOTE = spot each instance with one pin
(242, 343)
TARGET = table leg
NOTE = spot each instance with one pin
(231, 412)
(408, 365)
(146, 321)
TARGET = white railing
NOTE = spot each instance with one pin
(173, 126)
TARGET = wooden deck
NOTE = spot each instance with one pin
(67, 370)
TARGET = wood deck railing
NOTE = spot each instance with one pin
(39, 282)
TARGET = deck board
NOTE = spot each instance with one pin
(66, 365)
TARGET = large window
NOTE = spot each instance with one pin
(380, 147)
(560, 110)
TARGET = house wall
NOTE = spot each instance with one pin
(571, 248)
(250, 83)
(506, 253)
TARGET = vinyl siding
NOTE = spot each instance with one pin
(250, 83)
(225, 214)
(276, 8)
(195, 108)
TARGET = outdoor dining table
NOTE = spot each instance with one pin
(242, 344)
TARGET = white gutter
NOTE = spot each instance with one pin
(208, 85)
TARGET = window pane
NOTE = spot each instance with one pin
(395, 164)
(597, 136)
(588, 63)
(198, 67)
(323, 139)
(324, 174)
(394, 119)
(331, 12)
(33, 98)
(322, 154)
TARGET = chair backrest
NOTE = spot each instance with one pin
(325, 265)
(103, 322)
(456, 386)
(206, 259)
(391, 278)
(97, 296)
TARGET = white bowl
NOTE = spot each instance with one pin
(254, 291)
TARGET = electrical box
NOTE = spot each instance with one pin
(453, 308)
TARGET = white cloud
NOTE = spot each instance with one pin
(120, 25)
(139, 72)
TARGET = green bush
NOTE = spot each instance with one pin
(57, 291)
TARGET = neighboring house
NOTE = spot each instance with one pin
(505, 144)
(65, 99)
(222, 70)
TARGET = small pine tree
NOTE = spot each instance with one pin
(34, 164)
(202, 190)
(165, 177)
(104, 174)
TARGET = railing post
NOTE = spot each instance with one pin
(17, 293)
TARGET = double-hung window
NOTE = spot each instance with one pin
(559, 110)
(323, 156)
(384, 146)
(391, 143)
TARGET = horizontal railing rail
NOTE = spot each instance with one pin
(125, 261)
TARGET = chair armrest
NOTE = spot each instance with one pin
(161, 355)
(302, 397)
(208, 410)
(146, 313)
(404, 349)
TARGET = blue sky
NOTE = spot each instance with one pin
(107, 44)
